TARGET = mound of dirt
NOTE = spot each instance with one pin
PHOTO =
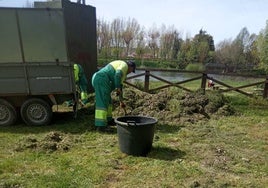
(173, 106)
(53, 141)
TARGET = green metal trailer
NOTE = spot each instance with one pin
(37, 51)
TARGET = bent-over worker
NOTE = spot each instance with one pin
(81, 82)
(107, 79)
(81, 85)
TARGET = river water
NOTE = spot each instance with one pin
(179, 76)
(170, 76)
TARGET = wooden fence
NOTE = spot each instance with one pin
(204, 77)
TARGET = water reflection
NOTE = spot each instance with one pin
(170, 76)
(179, 76)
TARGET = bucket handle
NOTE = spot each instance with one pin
(131, 123)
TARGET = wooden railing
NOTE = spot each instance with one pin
(204, 77)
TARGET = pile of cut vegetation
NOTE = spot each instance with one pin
(173, 106)
(53, 141)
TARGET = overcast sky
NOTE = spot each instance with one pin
(223, 19)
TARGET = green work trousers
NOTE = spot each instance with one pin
(103, 105)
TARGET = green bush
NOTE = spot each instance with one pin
(195, 67)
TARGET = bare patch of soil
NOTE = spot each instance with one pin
(53, 141)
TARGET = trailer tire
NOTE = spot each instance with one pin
(36, 112)
(8, 113)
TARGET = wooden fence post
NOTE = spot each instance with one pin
(203, 82)
(146, 80)
(265, 91)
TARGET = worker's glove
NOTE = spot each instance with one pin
(122, 105)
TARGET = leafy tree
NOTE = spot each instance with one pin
(203, 45)
(251, 54)
(184, 56)
(202, 36)
(262, 43)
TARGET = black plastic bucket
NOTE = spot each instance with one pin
(135, 134)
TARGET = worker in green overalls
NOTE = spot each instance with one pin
(81, 84)
(107, 79)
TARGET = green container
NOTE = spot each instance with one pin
(135, 134)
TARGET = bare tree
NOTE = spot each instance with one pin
(117, 27)
(176, 45)
(224, 53)
(140, 49)
(130, 32)
(153, 40)
(103, 38)
(167, 41)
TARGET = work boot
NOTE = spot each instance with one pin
(100, 128)
(111, 122)
(103, 129)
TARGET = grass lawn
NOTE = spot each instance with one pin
(221, 152)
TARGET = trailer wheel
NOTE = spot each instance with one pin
(36, 112)
(8, 114)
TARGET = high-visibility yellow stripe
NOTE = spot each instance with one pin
(101, 114)
(76, 72)
(100, 117)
